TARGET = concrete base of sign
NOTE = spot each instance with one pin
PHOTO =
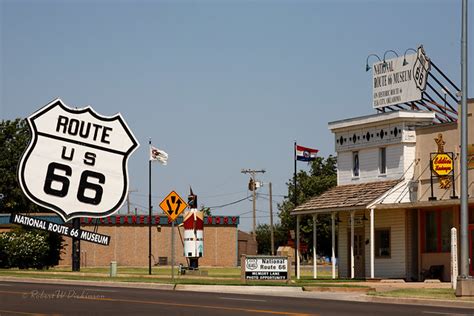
(197, 272)
(465, 287)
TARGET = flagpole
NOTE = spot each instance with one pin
(295, 202)
(149, 210)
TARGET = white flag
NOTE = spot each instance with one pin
(158, 155)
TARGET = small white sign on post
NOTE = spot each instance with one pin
(274, 268)
(454, 257)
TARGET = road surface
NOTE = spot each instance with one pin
(54, 299)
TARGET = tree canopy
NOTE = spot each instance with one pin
(14, 137)
(321, 177)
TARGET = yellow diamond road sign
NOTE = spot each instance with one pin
(442, 164)
(173, 205)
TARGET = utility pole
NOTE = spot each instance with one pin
(128, 200)
(464, 222)
(254, 189)
(272, 239)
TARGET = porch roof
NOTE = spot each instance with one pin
(345, 197)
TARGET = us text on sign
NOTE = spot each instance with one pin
(77, 161)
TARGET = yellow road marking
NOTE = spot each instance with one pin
(249, 310)
(261, 311)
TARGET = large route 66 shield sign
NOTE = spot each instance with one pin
(77, 161)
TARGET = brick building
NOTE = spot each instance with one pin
(129, 241)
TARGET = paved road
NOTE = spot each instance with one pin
(48, 299)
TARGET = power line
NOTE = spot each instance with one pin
(231, 203)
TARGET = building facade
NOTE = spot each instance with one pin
(129, 241)
(392, 213)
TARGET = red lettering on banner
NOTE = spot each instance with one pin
(90, 220)
(102, 220)
(209, 220)
(148, 219)
(442, 160)
(117, 219)
(125, 219)
(218, 220)
(109, 219)
(234, 220)
(157, 220)
(82, 220)
(226, 220)
(142, 219)
(134, 219)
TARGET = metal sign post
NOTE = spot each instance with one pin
(173, 205)
(172, 251)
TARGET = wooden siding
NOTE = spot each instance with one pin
(393, 267)
(399, 157)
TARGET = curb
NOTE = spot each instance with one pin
(338, 289)
(136, 285)
(238, 289)
(416, 301)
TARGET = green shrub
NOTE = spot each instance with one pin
(29, 248)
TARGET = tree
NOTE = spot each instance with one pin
(263, 236)
(321, 177)
(205, 210)
(14, 137)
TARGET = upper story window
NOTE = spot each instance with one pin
(383, 160)
(355, 163)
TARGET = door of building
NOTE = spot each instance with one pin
(359, 250)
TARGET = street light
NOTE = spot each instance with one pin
(405, 56)
(367, 67)
(388, 51)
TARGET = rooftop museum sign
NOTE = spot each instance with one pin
(400, 80)
(77, 161)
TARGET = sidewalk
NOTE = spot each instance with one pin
(341, 294)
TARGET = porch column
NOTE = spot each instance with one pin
(333, 233)
(298, 267)
(372, 243)
(352, 245)
(315, 264)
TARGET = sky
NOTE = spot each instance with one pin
(220, 86)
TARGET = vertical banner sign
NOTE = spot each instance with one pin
(400, 80)
(77, 161)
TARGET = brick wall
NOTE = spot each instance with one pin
(129, 246)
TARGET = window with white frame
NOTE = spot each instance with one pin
(383, 160)
(355, 163)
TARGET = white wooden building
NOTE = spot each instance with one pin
(387, 222)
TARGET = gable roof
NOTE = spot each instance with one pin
(345, 197)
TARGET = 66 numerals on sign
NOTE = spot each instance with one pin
(84, 183)
(77, 161)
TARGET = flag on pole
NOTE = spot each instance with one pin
(305, 153)
(158, 155)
